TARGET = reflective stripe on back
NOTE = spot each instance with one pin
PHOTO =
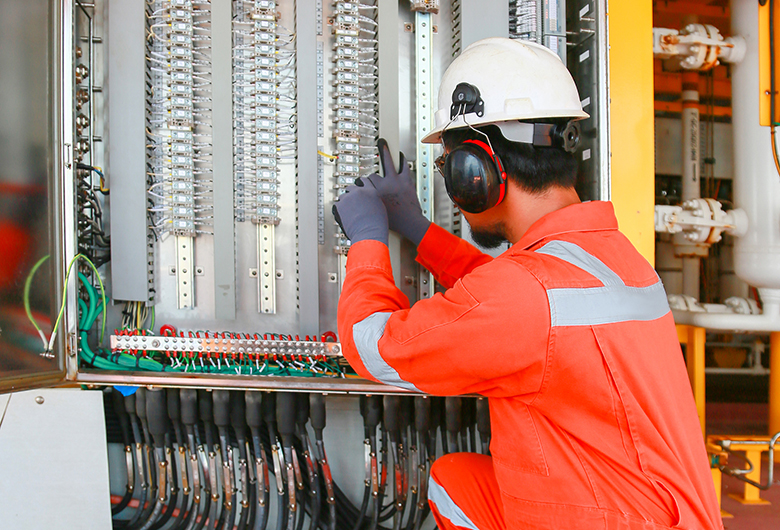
(366, 335)
(447, 507)
(590, 306)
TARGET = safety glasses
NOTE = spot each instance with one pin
(439, 163)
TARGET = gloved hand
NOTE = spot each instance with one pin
(361, 215)
(399, 194)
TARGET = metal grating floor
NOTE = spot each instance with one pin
(745, 418)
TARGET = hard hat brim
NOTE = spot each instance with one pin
(434, 136)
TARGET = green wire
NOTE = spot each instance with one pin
(64, 298)
(26, 299)
(83, 317)
(92, 302)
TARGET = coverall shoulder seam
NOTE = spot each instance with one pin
(548, 353)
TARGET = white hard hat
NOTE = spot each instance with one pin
(517, 81)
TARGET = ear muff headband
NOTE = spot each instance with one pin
(474, 177)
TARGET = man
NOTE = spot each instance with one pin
(567, 333)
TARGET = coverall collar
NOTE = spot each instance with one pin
(583, 217)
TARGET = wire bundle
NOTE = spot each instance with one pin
(264, 108)
(356, 96)
(93, 242)
(219, 450)
(525, 20)
(89, 314)
(178, 117)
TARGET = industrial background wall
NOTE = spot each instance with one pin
(167, 242)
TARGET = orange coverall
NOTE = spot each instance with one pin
(569, 335)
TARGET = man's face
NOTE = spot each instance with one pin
(485, 232)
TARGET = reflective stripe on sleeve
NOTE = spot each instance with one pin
(591, 306)
(447, 507)
(366, 335)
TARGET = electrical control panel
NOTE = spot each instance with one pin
(197, 148)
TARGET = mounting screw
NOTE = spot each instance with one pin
(409, 28)
(253, 273)
(333, 277)
(39, 400)
(172, 271)
(199, 271)
(279, 274)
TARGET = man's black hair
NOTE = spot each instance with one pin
(534, 169)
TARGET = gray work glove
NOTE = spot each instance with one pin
(399, 194)
(361, 215)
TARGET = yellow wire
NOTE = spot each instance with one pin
(64, 298)
(26, 298)
(326, 155)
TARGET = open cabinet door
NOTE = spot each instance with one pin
(35, 151)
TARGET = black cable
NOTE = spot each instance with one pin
(254, 418)
(206, 412)
(172, 504)
(374, 525)
(181, 477)
(238, 423)
(157, 425)
(341, 511)
(140, 410)
(221, 400)
(370, 458)
(118, 404)
(406, 420)
(188, 398)
(205, 497)
(285, 421)
(269, 417)
(318, 422)
(411, 503)
(470, 423)
(483, 423)
(129, 402)
(220, 523)
(158, 407)
(453, 422)
(422, 427)
(310, 505)
(437, 425)
(392, 427)
(316, 495)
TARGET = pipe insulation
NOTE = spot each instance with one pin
(756, 181)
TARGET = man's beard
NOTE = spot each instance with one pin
(489, 237)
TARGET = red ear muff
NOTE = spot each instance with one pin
(474, 177)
